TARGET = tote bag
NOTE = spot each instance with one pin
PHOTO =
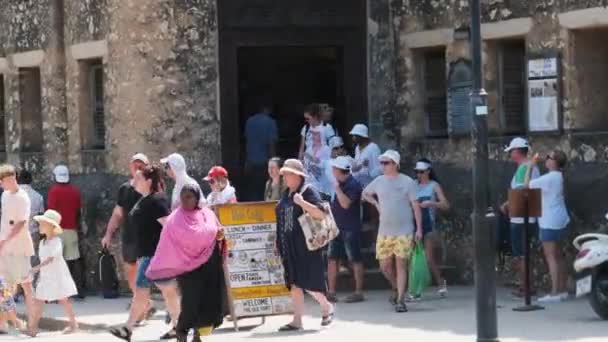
(318, 233)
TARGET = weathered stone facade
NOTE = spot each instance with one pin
(161, 92)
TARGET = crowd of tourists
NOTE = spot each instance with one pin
(177, 244)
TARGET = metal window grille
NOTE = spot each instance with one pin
(97, 106)
(435, 105)
(512, 86)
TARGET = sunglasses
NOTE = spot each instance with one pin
(385, 162)
(420, 171)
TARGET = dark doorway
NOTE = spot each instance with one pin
(291, 78)
(295, 52)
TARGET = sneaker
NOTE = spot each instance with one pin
(412, 299)
(550, 299)
(443, 290)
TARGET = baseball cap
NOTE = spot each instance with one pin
(360, 130)
(336, 142)
(62, 174)
(141, 158)
(342, 163)
(391, 155)
(422, 166)
(216, 171)
(517, 143)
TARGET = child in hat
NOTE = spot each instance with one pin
(55, 282)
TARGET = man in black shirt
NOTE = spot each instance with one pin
(127, 197)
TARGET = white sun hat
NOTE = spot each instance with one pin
(517, 143)
(342, 163)
(422, 166)
(141, 158)
(335, 142)
(360, 130)
(391, 155)
(62, 174)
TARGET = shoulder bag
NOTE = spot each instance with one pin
(318, 233)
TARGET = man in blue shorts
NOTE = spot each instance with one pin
(346, 208)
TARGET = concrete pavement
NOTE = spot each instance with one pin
(451, 319)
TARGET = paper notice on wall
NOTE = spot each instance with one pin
(255, 270)
(543, 105)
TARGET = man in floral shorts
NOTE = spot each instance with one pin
(394, 194)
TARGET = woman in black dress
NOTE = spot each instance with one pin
(304, 269)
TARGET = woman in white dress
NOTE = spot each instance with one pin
(55, 282)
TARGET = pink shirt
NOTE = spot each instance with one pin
(16, 208)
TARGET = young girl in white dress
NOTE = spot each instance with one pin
(55, 282)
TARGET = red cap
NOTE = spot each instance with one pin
(216, 171)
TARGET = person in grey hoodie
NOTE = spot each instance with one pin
(175, 166)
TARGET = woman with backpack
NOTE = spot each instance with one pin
(314, 120)
(431, 198)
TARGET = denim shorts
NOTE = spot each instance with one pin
(347, 245)
(550, 235)
(141, 281)
(517, 237)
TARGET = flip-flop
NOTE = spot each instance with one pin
(169, 335)
(354, 298)
(289, 327)
(327, 320)
(122, 333)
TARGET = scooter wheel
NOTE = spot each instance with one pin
(598, 298)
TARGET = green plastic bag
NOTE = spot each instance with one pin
(420, 277)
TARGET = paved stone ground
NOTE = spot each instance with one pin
(433, 319)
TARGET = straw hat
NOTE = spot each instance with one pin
(293, 166)
(51, 217)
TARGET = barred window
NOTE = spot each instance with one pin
(30, 101)
(435, 100)
(92, 109)
(512, 86)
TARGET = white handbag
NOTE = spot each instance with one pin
(318, 233)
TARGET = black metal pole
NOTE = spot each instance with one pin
(485, 272)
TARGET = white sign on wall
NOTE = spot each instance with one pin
(543, 95)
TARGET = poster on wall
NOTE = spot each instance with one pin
(255, 271)
(543, 95)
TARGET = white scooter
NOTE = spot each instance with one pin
(591, 266)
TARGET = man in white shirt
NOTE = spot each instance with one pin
(16, 247)
(366, 166)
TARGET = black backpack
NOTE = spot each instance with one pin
(108, 278)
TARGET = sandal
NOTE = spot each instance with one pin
(289, 327)
(327, 320)
(393, 298)
(401, 307)
(332, 298)
(70, 330)
(169, 335)
(122, 333)
(355, 298)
